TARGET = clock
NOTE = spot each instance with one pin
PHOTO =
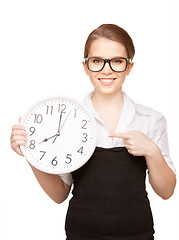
(61, 135)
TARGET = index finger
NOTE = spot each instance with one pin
(119, 135)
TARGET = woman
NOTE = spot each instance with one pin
(109, 198)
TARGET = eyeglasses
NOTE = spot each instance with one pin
(117, 64)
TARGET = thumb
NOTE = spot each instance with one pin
(20, 118)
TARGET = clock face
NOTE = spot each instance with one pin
(61, 135)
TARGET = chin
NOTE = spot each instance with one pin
(107, 91)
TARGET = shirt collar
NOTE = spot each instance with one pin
(127, 114)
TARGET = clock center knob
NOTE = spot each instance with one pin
(58, 134)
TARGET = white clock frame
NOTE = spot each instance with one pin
(49, 136)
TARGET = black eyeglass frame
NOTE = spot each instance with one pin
(128, 61)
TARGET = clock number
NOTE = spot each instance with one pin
(80, 150)
(32, 144)
(85, 122)
(75, 112)
(54, 162)
(85, 137)
(68, 157)
(32, 130)
(42, 154)
(38, 118)
(62, 108)
(49, 109)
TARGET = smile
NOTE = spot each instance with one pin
(106, 81)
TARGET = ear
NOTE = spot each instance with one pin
(85, 67)
(129, 68)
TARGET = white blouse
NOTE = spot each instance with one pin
(134, 117)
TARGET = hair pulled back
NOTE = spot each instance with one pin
(111, 32)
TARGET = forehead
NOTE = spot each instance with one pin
(106, 48)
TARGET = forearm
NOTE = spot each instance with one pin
(52, 184)
(162, 178)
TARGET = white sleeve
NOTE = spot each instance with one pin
(67, 178)
(159, 135)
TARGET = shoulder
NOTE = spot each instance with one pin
(154, 114)
(153, 118)
(140, 108)
(156, 120)
(144, 110)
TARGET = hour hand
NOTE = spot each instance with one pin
(46, 139)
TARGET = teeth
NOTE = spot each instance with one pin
(106, 80)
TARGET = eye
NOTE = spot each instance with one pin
(97, 60)
(117, 61)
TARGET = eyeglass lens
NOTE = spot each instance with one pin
(117, 64)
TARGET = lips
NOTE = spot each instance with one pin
(106, 81)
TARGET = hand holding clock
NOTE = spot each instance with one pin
(18, 138)
(51, 184)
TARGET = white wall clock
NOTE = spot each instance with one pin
(61, 135)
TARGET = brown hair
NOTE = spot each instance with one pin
(114, 33)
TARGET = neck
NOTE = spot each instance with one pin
(108, 101)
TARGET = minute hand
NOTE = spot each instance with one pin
(58, 133)
(60, 122)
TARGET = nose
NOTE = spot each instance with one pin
(107, 69)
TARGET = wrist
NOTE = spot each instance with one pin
(152, 151)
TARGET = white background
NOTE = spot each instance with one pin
(41, 52)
